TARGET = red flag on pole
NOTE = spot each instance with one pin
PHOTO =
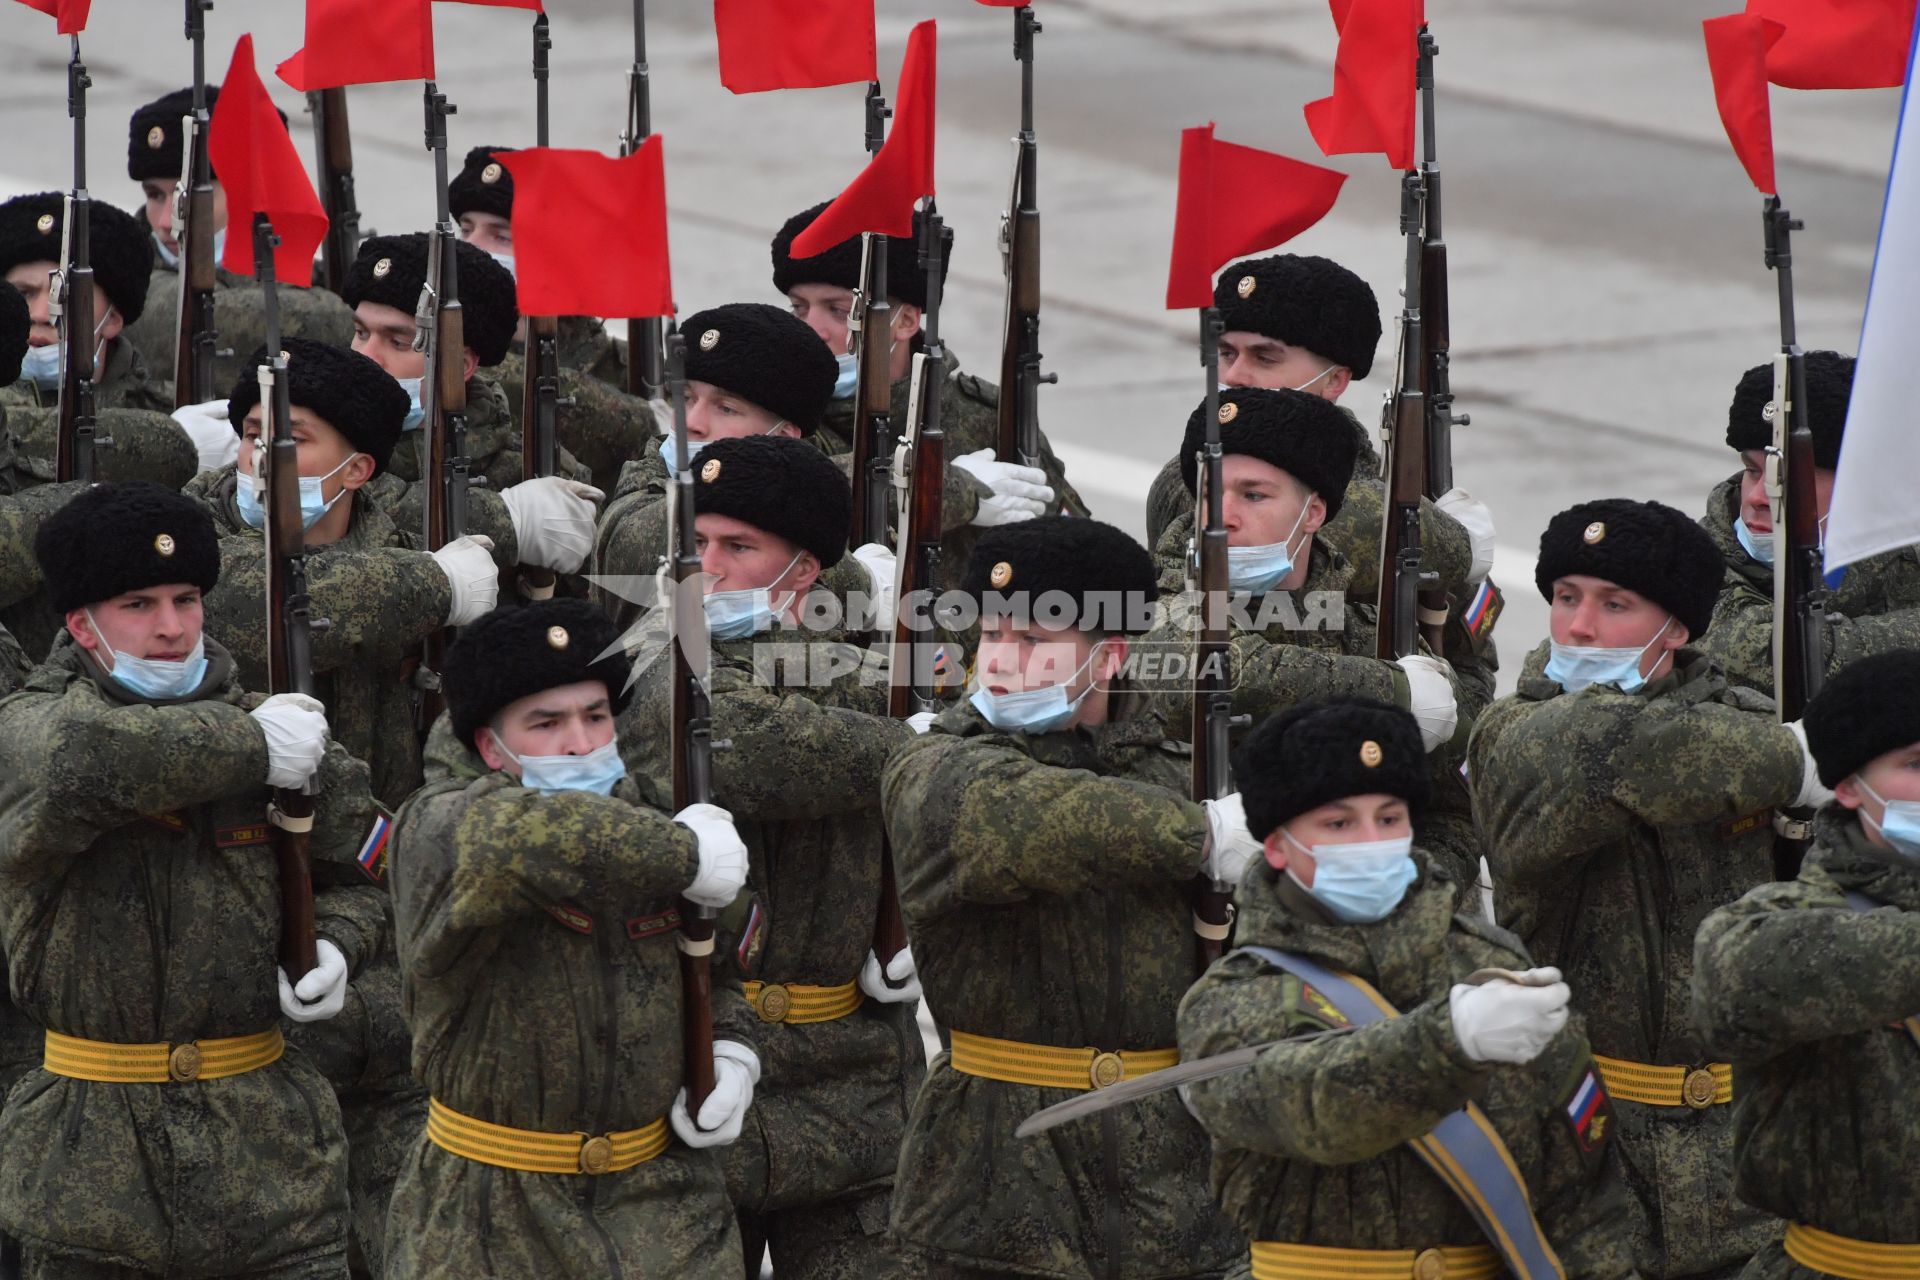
(260, 169)
(533, 5)
(1006, 4)
(1838, 44)
(1234, 201)
(1373, 71)
(590, 232)
(881, 199)
(362, 42)
(69, 15)
(1737, 47)
(781, 44)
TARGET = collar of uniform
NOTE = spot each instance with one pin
(1366, 461)
(218, 685)
(1691, 671)
(1844, 855)
(1102, 748)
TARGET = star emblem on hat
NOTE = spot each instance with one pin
(382, 268)
(1769, 410)
(1002, 574)
(1229, 411)
(45, 223)
(163, 543)
(1595, 532)
(1370, 754)
(1246, 286)
(558, 637)
(491, 174)
(156, 138)
(710, 339)
(711, 471)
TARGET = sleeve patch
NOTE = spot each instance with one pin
(573, 918)
(373, 850)
(643, 927)
(1588, 1112)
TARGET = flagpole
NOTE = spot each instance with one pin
(646, 374)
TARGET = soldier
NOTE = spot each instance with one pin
(1045, 845)
(1317, 1144)
(1876, 606)
(536, 893)
(1626, 790)
(168, 1131)
(1811, 988)
(806, 720)
(1297, 632)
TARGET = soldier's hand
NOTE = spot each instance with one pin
(1813, 792)
(321, 993)
(1502, 1021)
(877, 559)
(295, 727)
(1016, 492)
(553, 521)
(897, 984)
(723, 855)
(468, 564)
(1430, 698)
(213, 436)
(736, 1069)
(1477, 519)
(1231, 848)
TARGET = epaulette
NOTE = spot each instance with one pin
(977, 389)
(1489, 932)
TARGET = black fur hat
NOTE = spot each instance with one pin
(120, 247)
(1863, 711)
(840, 265)
(514, 653)
(1646, 547)
(1313, 303)
(154, 146)
(483, 185)
(16, 325)
(1327, 749)
(116, 538)
(778, 484)
(765, 354)
(357, 397)
(1829, 385)
(1093, 569)
(1300, 433)
(392, 270)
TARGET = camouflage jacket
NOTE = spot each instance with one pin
(1043, 880)
(139, 903)
(21, 515)
(240, 323)
(1310, 1142)
(597, 422)
(801, 778)
(543, 988)
(1614, 823)
(1875, 608)
(132, 411)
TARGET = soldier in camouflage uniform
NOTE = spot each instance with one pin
(1310, 1142)
(1811, 988)
(1625, 791)
(806, 717)
(537, 897)
(169, 1130)
(1296, 632)
(1875, 608)
(1044, 846)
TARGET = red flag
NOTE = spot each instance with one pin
(1006, 4)
(1838, 44)
(362, 42)
(590, 232)
(1737, 47)
(1372, 104)
(508, 4)
(881, 199)
(260, 169)
(70, 15)
(782, 44)
(1234, 201)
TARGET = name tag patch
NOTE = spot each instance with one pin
(641, 927)
(573, 918)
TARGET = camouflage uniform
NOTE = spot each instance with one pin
(1310, 1142)
(813, 1172)
(240, 323)
(164, 931)
(1043, 880)
(23, 605)
(598, 423)
(543, 987)
(1615, 822)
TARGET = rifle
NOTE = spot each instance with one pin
(644, 376)
(289, 613)
(1020, 376)
(193, 227)
(70, 300)
(1799, 590)
(1212, 701)
(333, 148)
(870, 330)
(540, 388)
(692, 738)
(1403, 427)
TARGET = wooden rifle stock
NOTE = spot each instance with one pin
(1401, 578)
(193, 231)
(646, 335)
(1018, 435)
(873, 431)
(333, 148)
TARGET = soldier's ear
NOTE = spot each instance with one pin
(81, 630)
(470, 363)
(906, 321)
(1848, 792)
(358, 472)
(111, 324)
(1113, 658)
(1315, 514)
(1676, 636)
(489, 748)
(1338, 379)
(1276, 850)
(806, 571)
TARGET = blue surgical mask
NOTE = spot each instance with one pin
(1759, 546)
(504, 259)
(1034, 711)
(41, 366)
(156, 678)
(843, 385)
(597, 771)
(1574, 667)
(735, 615)
(416, 412)
(313, 501)
(1898, 824)
(1258, 570)
(1359, 883)
(166, 255)
(670, 451)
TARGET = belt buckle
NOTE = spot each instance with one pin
(1106, 1070)
(1431, 1264)
(774, 1003)
(183, 1064)
(1699, 1089)
(596, 1155)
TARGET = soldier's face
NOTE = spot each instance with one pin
(1354, 820)
(1255, 360)
(736, 556)
(1755, 509)
(157, 622)
(488, 231)
(318, 444)
(384, 335)
(158, 196)
(825, 308)
(1592, 612)
(717, 414)
(569, 720)
(1264, 505)
(1016, 656)
(1893, 776)
(32, 279)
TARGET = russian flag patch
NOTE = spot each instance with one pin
(373, 853)
(1483, 609)
(1587, 1111)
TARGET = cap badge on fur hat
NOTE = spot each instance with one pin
(1229, 411)
(156, 138)
(1002, 574)
(164, 544)
(1768, 410)
(711, 471)
(1246, 286)
(558, 637)
(491, 174)
(1370, 754)
(45, 224)
(710, 339)
(1595, 532)
(382, 268)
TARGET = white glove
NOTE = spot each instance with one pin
(1430, 698)
(212, 434)
(1019, 493)
(553, 521)
(1503, 1021)
(322, 993)
(921, 720)
(1477, 519)
(296, 731)
(1813, 793)
(900, 970)
(1231, 848)
(736, 1069)
(723, 855)
(877, 559)
(468, 564)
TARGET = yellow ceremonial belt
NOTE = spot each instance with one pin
(1696, 1087)
(1042, 1064)
(1273, 1261)
(1851, 1259)
(108, 1063)
(795, 1002)
(532, 1151)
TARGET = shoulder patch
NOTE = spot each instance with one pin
(573, 918)
(1588, 1110)
(752, 935)
(244, 836)
(372, 858)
